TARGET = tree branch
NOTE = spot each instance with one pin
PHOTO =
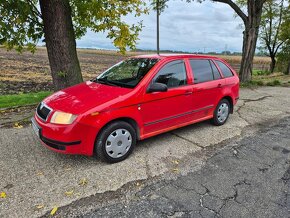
(236, 8)
(277, 48)
(279, 24)
(34, 9)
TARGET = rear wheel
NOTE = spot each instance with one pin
(221, 112)
(115, 142)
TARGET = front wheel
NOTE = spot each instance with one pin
(115, 142)
(221, 112)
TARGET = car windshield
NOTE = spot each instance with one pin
(127, 73)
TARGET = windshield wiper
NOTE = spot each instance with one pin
(104, 81)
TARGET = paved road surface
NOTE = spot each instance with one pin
(32, 176)
(249, 178)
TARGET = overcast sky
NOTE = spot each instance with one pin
(192, 27)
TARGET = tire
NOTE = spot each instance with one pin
(221, 113)
(115, 142)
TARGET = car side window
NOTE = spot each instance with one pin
(202, 70)
(215, 71)
(224, 68)
(173, 74)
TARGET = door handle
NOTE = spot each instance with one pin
(219, 85)
(188, 92)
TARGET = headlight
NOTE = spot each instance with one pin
(62, 118)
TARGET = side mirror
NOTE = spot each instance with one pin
(157, 87)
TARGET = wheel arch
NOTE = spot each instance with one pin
(230, 99)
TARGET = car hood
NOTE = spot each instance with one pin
(85, 96)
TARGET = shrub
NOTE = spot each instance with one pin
(273, 83)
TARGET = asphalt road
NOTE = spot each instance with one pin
(36, 179)
(249, 178)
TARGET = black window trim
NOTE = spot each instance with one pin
(211, 61)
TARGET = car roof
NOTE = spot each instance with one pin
(173, 55)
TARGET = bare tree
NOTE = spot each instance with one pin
(272, 18)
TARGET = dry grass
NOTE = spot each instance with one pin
(283, 79)
(30, 72)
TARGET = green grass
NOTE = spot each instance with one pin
(273, 83)
(260, 72)
(7, 101)
(252, 83)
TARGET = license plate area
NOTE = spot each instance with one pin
(35, 128)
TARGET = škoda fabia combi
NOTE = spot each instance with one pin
(135, 99)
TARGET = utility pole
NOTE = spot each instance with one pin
(157, 9)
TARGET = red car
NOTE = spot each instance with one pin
(135, 99)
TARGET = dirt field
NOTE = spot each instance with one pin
(28, 72)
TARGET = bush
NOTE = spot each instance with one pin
(273, 83)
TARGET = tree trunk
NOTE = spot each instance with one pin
(288, 68)
(249, 45)
(60, 43)
(273, 63)
(250, 39)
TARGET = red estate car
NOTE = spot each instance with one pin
(135, 99)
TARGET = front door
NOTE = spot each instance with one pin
(164, 110)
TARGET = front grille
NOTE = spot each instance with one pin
(43, 111)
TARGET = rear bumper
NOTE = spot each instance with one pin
(66, 139)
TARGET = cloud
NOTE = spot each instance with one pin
(183, 26)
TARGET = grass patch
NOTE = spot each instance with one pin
(274, 83)
(7, 101)
(252, 83)
(260, 72)
(274, 79)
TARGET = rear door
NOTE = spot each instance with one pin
(231, 80)
(207, 86)
(163, 110)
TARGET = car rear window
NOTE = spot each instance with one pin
(202, 70)
(224, 68)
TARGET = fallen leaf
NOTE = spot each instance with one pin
(53, 211)
(17, 126)
(77, 194)
(3, 195)
(175, 162)
(39, 173)
(83, 182)
(69, 193)
(39, 206)
(175, 170)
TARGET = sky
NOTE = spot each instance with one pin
(189, 27)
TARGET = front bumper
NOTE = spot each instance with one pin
(72, 139)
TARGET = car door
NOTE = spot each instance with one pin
(163, 110)
(206, 88)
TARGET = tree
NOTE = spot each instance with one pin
(284, 54)
(272, 17)
(60, 23)
(251, 21)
